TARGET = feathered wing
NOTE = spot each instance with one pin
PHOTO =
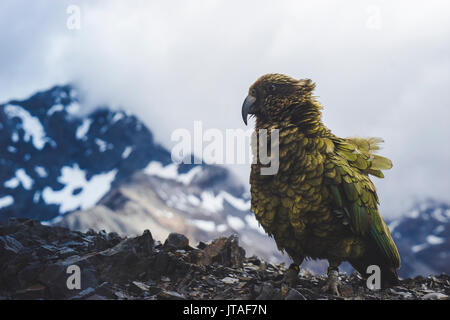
(352, 191)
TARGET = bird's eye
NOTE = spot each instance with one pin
(253, 93)
(273, 87)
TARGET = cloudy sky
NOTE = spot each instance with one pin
(382, 68)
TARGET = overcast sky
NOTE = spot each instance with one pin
(382, 68)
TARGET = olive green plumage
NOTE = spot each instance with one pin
(321, 203)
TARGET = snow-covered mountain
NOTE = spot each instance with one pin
(423, 239)
(54, 161)
(105, 171)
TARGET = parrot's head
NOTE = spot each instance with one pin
(276, 98)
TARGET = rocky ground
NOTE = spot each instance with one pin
(34, 263)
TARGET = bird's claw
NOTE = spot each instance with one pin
(332, 284)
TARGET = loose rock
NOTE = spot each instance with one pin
(34, 261)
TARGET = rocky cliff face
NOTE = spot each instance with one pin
(41, 262)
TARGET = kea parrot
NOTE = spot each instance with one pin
(321, 203)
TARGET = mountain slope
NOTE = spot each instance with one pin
(423, 239)
(54, 161)
(188, 203)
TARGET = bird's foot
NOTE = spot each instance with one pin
(332, 284)
(291, 275)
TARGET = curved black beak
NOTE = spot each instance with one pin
(247, 107)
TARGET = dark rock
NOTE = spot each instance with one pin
(170, 295)
(88, 278)
(267, 292)
(66, 252)
(176, 241)
(294, 295)
(105, 290)
(51, 273)
(9, 246)
(140, 268)
(84, 294)
(29, 274)
(144, 244)
(161, 263)
(36, 291)
(224, 251)
(138, 287)
(201, 245)
(96, 297)
(114, 238)
(91, 232)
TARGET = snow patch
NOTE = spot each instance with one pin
(214, 203)
(155, 168)
(211, 202)
(20, 177)
(187, 177)
(208, 226)
(55, 108)
(236, 202)
(75, 178)
(235, 223)
(419, 247)
(41, 171)
(83, 129)
(193, 200)
(15, 137)
(413, 214)
(163, 213)
(117, 117)
(126, 153)
(73, 93)
(393, 225)
(73, 107)
(439, 215)
(31, 125)
(36, 196)
(253, 223)
(11, 149)
(222, 228)
(439, 229)
(102, 144)
(433, 240)
(11, 183)
(6, 201)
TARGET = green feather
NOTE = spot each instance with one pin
(381, 163)
(336, 195)
(350, 191)
(376, 173)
